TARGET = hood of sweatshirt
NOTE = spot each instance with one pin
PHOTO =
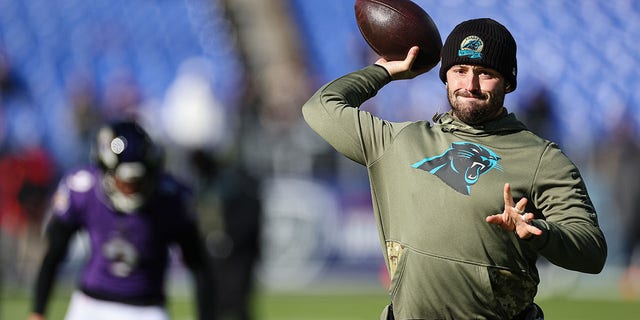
(503, 124)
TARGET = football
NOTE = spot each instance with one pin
(391, 27)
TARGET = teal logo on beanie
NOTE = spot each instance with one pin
(471, 47)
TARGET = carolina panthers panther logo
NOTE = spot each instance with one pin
(471, 47)
(461, 165)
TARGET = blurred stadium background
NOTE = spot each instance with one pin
(229, 77)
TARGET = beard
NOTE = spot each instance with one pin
(486, 107)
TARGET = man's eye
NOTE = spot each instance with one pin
(487, 74)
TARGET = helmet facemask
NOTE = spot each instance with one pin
(127, 192)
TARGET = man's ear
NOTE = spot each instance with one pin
(507, 87)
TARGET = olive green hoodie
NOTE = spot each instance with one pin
(433, 185)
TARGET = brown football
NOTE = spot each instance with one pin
(391, 27)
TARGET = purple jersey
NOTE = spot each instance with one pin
(129, 252)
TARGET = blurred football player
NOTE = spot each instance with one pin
(133, 212)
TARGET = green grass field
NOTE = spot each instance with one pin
(281, 306)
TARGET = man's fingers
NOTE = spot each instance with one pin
(528, 231)
(509, 205)
(514, 217)
(522, 203)
(497, 219)
(508, 199)
(493, 219)
(412, 55)
(534, 230)
(511, 225)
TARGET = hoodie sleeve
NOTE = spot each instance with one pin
(571, 236)
(333, 113)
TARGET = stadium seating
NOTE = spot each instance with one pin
(48, 41)
(582, 51)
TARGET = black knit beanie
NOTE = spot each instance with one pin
(483, 42)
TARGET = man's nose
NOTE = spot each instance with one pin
(472, 82)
